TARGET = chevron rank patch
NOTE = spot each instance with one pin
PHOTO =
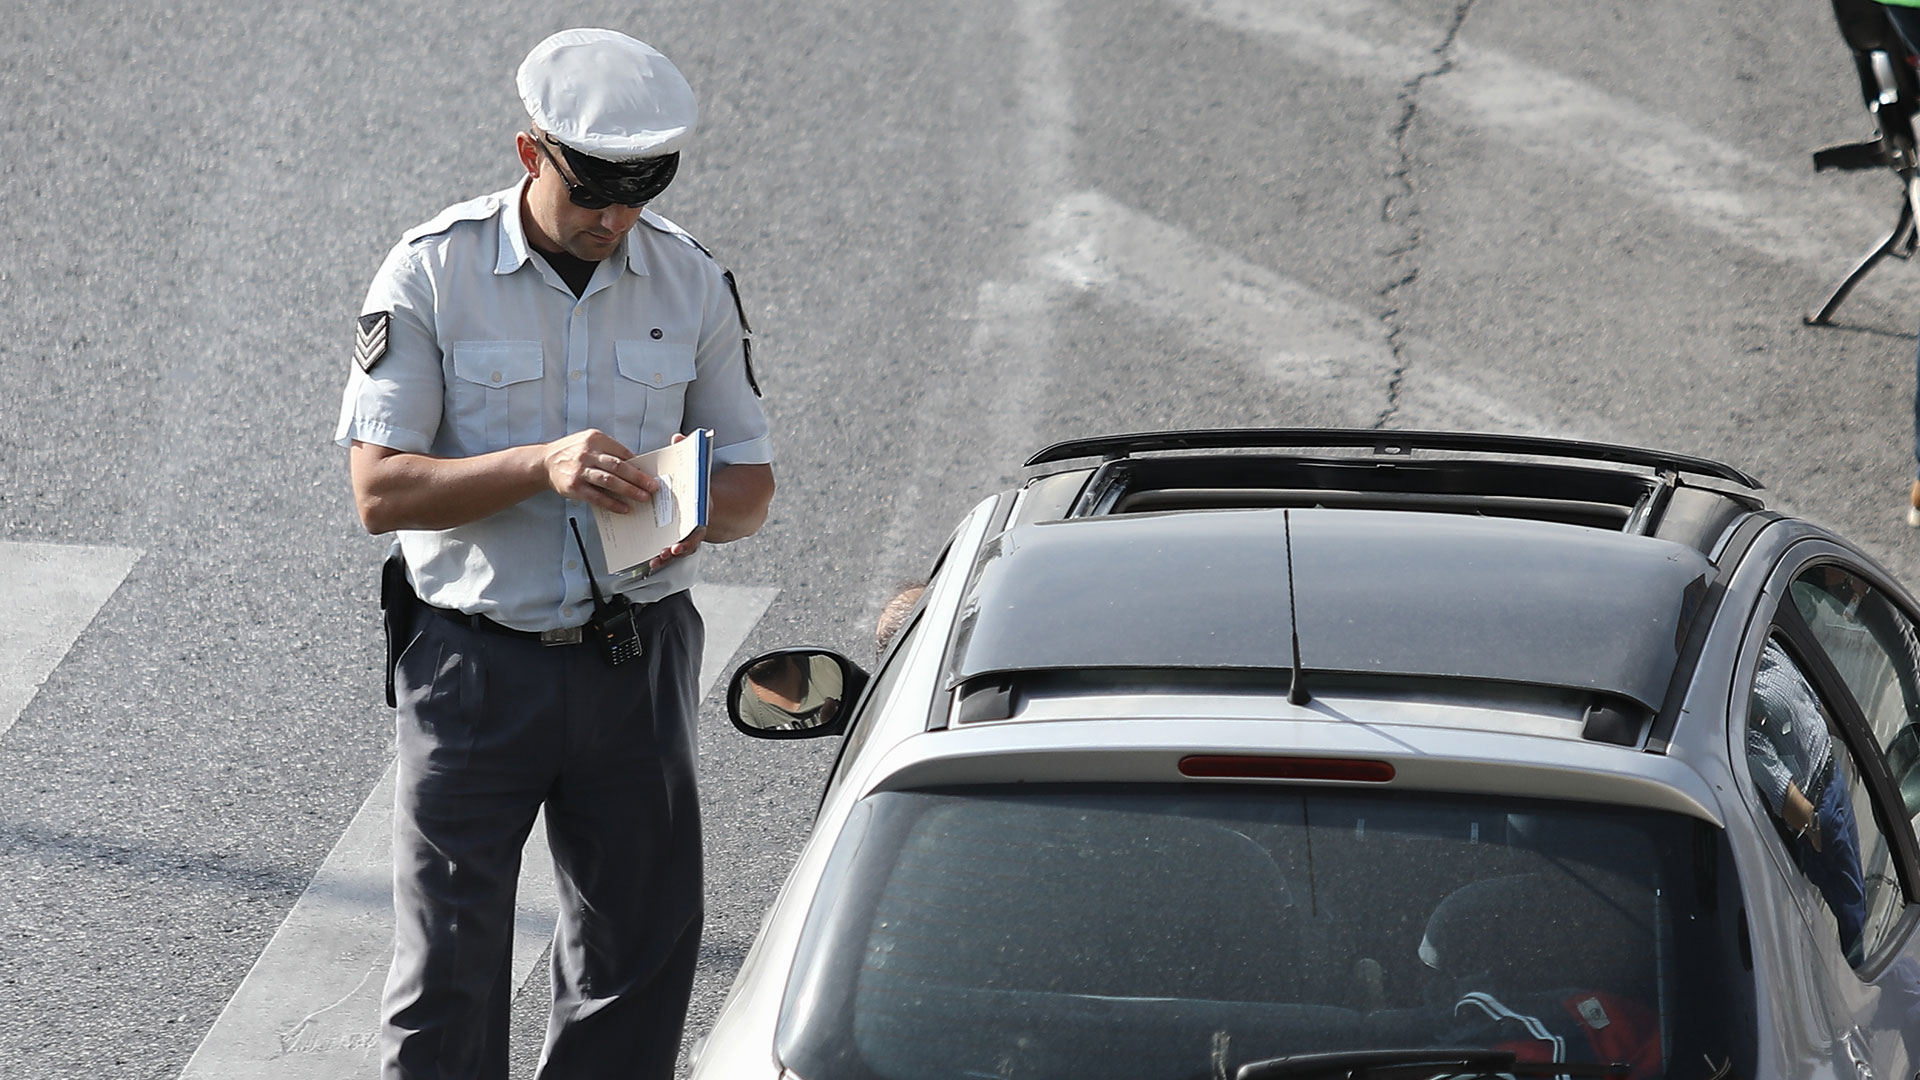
(370, 342)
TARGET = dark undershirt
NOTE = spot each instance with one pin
(576, 272)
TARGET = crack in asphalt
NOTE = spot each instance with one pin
(1399, 206)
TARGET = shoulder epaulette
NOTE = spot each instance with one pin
(478, 209)
(662, 225)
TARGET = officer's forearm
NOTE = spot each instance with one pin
(738, 502)
(393, 490)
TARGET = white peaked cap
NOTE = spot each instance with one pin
(607, 95)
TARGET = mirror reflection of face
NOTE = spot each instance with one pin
(791, 692)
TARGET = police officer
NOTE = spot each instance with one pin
(512, 354)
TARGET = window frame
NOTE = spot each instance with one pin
(879, 689)
(1852, 727)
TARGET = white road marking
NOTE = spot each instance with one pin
(1787, 213)
(309, 1009)
(1297, 334)
(1010, 344)
(49, 593)
(1013, 328)
(1291, 332)
(1088, 242)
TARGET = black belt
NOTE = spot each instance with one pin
(566, 635)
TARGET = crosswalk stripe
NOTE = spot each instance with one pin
(309, 1008)
(50, 592)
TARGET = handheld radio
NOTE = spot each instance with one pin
(612, 627)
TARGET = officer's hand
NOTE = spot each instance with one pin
(591, 466)
(678, 551)
(1800, 816)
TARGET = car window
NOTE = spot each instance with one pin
(1810, 786)
(1168, 931)
(1872, 645)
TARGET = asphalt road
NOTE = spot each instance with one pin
(963, 231)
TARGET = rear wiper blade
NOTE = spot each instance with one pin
(1417, 1065)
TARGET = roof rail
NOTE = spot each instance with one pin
(1386, 443)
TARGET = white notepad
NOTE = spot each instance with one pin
(684, 469)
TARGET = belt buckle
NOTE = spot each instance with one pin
(566, 635)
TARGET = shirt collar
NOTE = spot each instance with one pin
(515, 250)
(636, 256)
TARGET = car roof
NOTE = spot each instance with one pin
(1377, 592)
(1464, 561)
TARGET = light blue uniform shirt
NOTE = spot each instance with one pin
(1787, 739)
(488, 348)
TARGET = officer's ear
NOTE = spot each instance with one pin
(529, 153)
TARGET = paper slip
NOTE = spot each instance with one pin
(663, 502)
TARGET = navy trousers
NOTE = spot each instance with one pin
(490, 729)
(1835, 868)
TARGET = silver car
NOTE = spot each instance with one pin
(1281, 753)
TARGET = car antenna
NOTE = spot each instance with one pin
(1297, 689)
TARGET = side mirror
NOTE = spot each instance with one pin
(798, 693)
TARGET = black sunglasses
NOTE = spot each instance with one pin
(578, 194)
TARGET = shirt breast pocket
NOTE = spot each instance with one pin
(495, 396)
(651, 392)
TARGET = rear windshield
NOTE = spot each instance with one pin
(1175, 933)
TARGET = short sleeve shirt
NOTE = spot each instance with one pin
(487, 348)
(1787, 738)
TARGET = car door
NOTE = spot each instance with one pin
(1844, 647)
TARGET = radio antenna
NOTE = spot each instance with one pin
(1297, 689)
